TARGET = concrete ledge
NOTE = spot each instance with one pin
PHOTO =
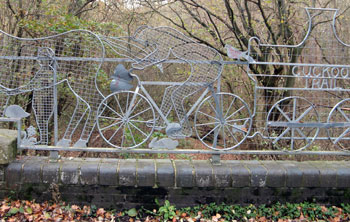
(131, 182)
(8, 145)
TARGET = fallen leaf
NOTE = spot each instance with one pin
(29, 210)
(336, 219)
(100, 212)
(132, 212)
(47, 215)
(5, 208)
(17, 204)
(108, 215)
(14, 210)
(75, 207)
(262, 219)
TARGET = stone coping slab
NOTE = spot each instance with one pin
(178, 173)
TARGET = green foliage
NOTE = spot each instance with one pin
(59, 23)
(158, 134)
(56, 17)
(103, 81)
(132, 137)
(12, 195)
(167, 211)
(310, 211)
(93, 209)
(346, 208)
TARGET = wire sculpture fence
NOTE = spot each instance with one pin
(306, 97)
(299, 93)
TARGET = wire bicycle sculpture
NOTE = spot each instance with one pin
(132, 116)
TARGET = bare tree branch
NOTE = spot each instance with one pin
(82, 9)
(10, 7)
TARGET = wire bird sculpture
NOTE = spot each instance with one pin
(40, 64)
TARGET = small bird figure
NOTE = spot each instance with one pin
(121, 79)
(234, 53)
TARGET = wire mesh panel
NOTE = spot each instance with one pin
(300, 88)
(37, 64)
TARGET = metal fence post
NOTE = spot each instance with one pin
(54, 154)
(215, 159)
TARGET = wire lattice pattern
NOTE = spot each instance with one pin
(30, 64)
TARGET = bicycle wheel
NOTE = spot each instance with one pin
(125, 119)
(339, 132)
(290, 124)
(222, 121)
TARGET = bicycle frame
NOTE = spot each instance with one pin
(154, 104)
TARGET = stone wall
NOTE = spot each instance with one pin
(130, 183)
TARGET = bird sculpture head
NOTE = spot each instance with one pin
(121, 79)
